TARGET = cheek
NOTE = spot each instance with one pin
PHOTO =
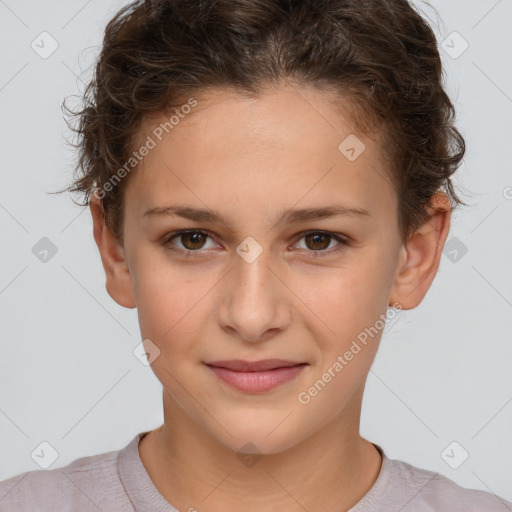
(165, 298)
(334, 303)
(344, 300)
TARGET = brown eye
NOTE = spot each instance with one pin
(193, 240)
(188, 242)
(317, 241)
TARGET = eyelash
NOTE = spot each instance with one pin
(343, 243)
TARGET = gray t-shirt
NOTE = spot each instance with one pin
(118, 481)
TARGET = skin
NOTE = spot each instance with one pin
(250, 159)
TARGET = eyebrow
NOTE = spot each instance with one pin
(290, 216)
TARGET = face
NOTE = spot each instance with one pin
(254, 280)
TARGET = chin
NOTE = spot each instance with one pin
(259, 435)
(257, 445)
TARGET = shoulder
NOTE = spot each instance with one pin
(87, 483)
(427, 490)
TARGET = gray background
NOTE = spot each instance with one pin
(68, 375)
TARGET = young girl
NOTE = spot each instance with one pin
(269, 182)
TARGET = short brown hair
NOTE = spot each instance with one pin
(381, 54)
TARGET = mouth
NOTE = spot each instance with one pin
(256, 376)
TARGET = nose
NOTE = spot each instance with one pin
(254, 303)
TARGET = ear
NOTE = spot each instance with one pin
(420, 255)
(118, 278)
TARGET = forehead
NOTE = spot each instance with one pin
(279, 149)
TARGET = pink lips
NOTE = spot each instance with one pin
(256, 376)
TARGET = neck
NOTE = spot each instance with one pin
(330, 470)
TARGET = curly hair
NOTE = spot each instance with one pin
(380, 54)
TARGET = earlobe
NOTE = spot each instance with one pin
(420, 255)
(118, 278)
